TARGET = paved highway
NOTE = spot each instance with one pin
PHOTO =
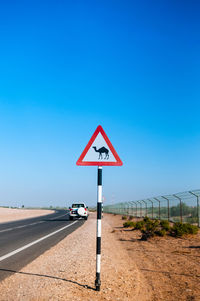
(22, 241)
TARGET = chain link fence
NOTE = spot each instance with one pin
(179, 207)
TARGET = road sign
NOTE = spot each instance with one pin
(99, 151)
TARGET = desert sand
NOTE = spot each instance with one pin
(9, 214)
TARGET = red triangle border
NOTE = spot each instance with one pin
(98, 130)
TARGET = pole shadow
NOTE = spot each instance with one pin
(49, 276)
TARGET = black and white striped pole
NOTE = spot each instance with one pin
(99, 214)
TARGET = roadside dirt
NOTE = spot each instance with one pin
(8, 214)
(170, 266)
(161, 269)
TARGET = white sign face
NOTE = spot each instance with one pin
(99, 151)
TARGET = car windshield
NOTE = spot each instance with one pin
(77, 205)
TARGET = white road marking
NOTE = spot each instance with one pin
(19, 227)
(9, 229)
(34, 242)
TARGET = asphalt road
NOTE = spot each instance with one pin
(22, 241)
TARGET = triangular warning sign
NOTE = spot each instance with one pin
(99, 151)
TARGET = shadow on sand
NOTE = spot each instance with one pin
(48, 276)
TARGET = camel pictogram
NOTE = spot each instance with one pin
(102, 150)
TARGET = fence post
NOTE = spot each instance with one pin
(145, 206)
(158, 207)
(140, 208)
(129, 208)
(167, 205)
(135, 206)
(198, 208)
(121, 208)
(132, 208)
(181, 210)
(151, 208)
(125, 211)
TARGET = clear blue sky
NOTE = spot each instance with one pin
(68, 66)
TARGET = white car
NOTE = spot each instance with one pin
(78, 210)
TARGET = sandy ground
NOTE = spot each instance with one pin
(8, 214)
(170, 266)
(161, 269)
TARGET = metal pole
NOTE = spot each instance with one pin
(158, 207)
(126, 208)
(152, 207)
(145, 207)
(181, 211)
(136, 206)
(98, 244)
(198, 208)
(122, 208)
(132, 208)
(167, 204)
(140, 208)
(129, 208)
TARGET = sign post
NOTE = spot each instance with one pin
(99, 213)
(99, 152)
